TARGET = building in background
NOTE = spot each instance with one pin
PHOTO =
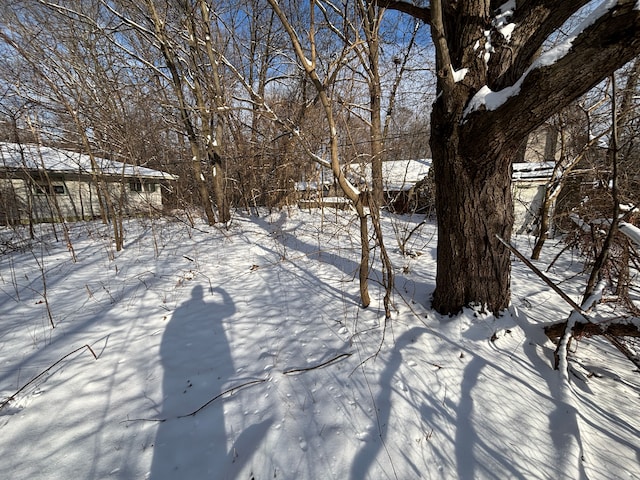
(45, 184)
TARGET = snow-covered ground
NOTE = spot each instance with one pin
(313, 386)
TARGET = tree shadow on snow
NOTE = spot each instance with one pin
(563, 420)
(197, 365)
(322, 253)
(475, 454)
(367, 455)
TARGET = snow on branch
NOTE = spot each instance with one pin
(458, 75)
(628, 229)
(493, 100)
(502, 21)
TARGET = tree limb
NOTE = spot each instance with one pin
(577, 308)
(420, 13)
(608, 43)
(616, 328)
(536, 21)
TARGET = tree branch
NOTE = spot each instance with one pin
(444, 67)
(420, 13)
(619, 328)
(598, 50)
(536, 21)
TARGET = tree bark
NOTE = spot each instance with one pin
(371, 17)
(214, 146)
(482, 114)
(473, 205)
(172, 64)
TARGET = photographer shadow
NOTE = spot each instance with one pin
(198, 366)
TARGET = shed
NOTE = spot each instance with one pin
(529, 180)
(44, 184)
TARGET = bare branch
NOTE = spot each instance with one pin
(420, 13)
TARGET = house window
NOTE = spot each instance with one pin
(48, 189)
(142, 187)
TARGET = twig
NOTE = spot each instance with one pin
(544, 278)
(226, 392)
(320, 365)
(192, 414)
(12, 397)
(235, 388)
(413, 230)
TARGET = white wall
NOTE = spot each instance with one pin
(79, 201)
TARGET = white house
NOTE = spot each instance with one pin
(42, 184)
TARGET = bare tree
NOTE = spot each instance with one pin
(571, 135)
(185, 35)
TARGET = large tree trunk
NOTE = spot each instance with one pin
(473, 204)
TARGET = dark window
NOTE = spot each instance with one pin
(47, 189)
(142, 187)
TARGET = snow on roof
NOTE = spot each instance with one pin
(403, 174)
(400, 175)
(397, 175)
(35, 157)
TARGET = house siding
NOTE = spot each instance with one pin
(21, 201)
(44, 184)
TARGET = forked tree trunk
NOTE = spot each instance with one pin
(474, 204)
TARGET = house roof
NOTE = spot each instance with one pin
(397, 175)
(401, 175)
(16, 157)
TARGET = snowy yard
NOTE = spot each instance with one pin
(314, 387)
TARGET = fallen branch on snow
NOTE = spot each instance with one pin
(12, 397)
(562, 349)
(561, 333)
(627, 327)
(544, 278)
(320, 365)
(229, 391)
(235, 388)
